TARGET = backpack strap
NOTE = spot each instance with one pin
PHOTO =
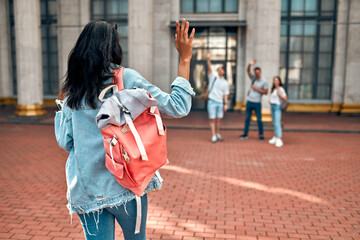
(138, 207)
(103, 92)
(159, 122)
(138, 214)
(136, 135)
(115, 87)
(212, 85)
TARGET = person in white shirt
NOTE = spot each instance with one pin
(278, 94)
(218, 99)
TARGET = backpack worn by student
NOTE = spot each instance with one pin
(134, 137)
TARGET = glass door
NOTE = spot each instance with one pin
(198, 79)
(222, 42)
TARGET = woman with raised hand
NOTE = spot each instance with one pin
(92, 191)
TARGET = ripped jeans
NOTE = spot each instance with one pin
(101, 225)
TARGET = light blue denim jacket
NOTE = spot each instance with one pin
(90, 186)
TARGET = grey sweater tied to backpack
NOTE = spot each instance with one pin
(134, 101)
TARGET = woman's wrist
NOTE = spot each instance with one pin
(184, 60)
(184, 68)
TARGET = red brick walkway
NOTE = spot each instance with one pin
(309, 189)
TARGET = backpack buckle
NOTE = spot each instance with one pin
(113, 141)
(125, 110)
(125, 128)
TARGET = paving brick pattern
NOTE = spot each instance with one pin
(248, 190)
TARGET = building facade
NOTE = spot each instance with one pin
(311, 44)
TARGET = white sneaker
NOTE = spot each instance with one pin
(213, 139)
(273, 140)
(279, 142)
(218, 136)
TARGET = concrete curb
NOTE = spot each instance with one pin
(207, 128)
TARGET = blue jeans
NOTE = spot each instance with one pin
(102, 225)
(250, 106)
(276, 119)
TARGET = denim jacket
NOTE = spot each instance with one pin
(90, 186)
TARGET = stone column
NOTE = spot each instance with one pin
(140, 41)
(174, 55)
(341, 45)
(241, 78)
(263, 43)
(241, 58)
(28, 58)
(351, 101)
(162, 43)
(6, 84)
(72, 17)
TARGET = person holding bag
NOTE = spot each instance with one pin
(278, 95)
(217, 100)
(92, 190)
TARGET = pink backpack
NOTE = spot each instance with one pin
(136, 149)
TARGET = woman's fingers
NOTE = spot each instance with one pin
(177, 35)
(186, 30)
(178, 32)
(176, 41)
(177, 28)
(183, 41)
(192, 35)
(183, 24)
(182, 32)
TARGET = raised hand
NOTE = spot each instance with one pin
(252, 62)
(208, 55)
(183, 42)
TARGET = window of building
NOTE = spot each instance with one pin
(307, 48)
(13, 47)
(209, 6)
(222, 42)
(49, 46)
(48, 11)
(114, 11)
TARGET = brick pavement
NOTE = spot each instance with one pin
(309, 189)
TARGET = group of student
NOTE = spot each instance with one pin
(218, 99)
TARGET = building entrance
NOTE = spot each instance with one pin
(222, 42)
